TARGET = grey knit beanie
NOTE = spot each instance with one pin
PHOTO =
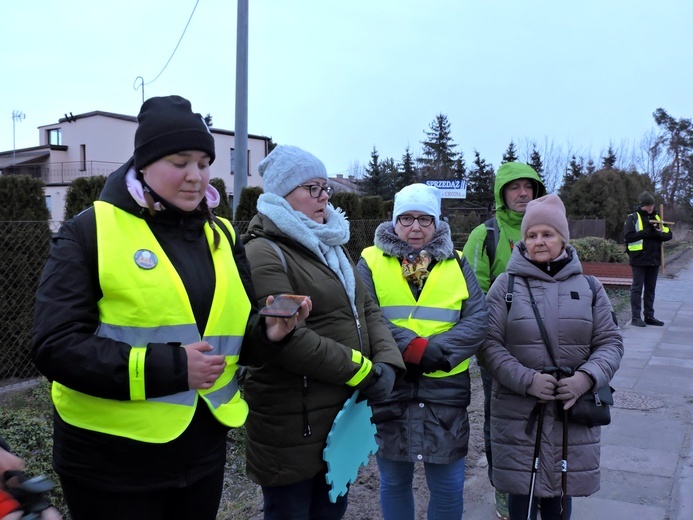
(548, 210)
(287, 167)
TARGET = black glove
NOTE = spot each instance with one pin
(651, 231)
(435, 358)
(381, 383)
(414, 372)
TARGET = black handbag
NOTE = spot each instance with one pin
(591, 408)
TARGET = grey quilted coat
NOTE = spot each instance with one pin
(581, 336)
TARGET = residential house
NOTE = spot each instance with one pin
(343, 184)
(97, 143)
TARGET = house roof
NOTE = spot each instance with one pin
(23, 157)
(71, 118)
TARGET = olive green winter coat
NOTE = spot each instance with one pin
(296, 395)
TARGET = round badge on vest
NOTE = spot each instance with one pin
(146, 259)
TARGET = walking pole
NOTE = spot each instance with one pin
(564, 468)
(535, 462)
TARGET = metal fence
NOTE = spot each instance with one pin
(23, 251)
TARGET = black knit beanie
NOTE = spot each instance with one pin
(168, 125)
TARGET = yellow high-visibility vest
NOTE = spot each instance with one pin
(439, 304)
(144, 301)
(637, 245)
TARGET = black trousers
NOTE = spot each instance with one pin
(644, 281)
(199, 501)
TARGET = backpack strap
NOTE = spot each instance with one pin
(491, 243)
(590, 280)
(223, 228)
(277, 250)
(509, 291)
(511, 284)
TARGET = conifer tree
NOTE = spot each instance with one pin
(480, 184)
(407, 171)
(82, 193)
(372, 182)
(609, 161)
(535, 162)
(510, 154)
(574, 173)
(24, 245)
(590, 168)
(389, 174)
(438, 157)
(460, 168)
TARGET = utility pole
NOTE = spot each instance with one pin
(17, 115)
(240, 152)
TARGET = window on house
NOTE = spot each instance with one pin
(55, 137)
(82, 157)
(233, 162)
(49, 204)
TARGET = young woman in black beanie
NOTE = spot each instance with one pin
(142, 311)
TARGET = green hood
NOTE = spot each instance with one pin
(512, 171)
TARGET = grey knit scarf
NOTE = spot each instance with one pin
(322, 239)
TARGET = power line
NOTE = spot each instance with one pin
(142, 83)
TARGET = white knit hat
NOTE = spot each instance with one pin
(417, 197)
(288, 166)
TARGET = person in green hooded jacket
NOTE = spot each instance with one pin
(488, 250)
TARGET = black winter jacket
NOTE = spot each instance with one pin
(65, 349)
(651, 254)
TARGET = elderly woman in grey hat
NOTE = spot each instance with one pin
(295, 245)
(544, 273)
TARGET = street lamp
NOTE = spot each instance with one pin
(17, 115)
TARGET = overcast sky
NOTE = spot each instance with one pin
(337, 78)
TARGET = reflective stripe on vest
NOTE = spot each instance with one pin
(168, 319)
(438, 306)
(637, 245)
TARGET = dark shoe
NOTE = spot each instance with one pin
(654, 321)
(637, 322)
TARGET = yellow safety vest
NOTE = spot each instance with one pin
(144, 301)
(637, 245)
(438, 306)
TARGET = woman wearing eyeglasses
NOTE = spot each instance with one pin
(295, 245)
(438, 317)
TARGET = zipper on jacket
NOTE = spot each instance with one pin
(358, 331)
(306, 425)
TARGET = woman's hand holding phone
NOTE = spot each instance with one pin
(283, 312)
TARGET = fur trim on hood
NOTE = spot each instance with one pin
(440, 246)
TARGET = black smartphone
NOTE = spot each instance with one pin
(283, 306)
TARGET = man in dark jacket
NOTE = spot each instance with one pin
(644, 233)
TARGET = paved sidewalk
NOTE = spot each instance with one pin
(647, 450)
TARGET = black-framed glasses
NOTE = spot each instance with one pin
(423, 220)
(316, 189)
